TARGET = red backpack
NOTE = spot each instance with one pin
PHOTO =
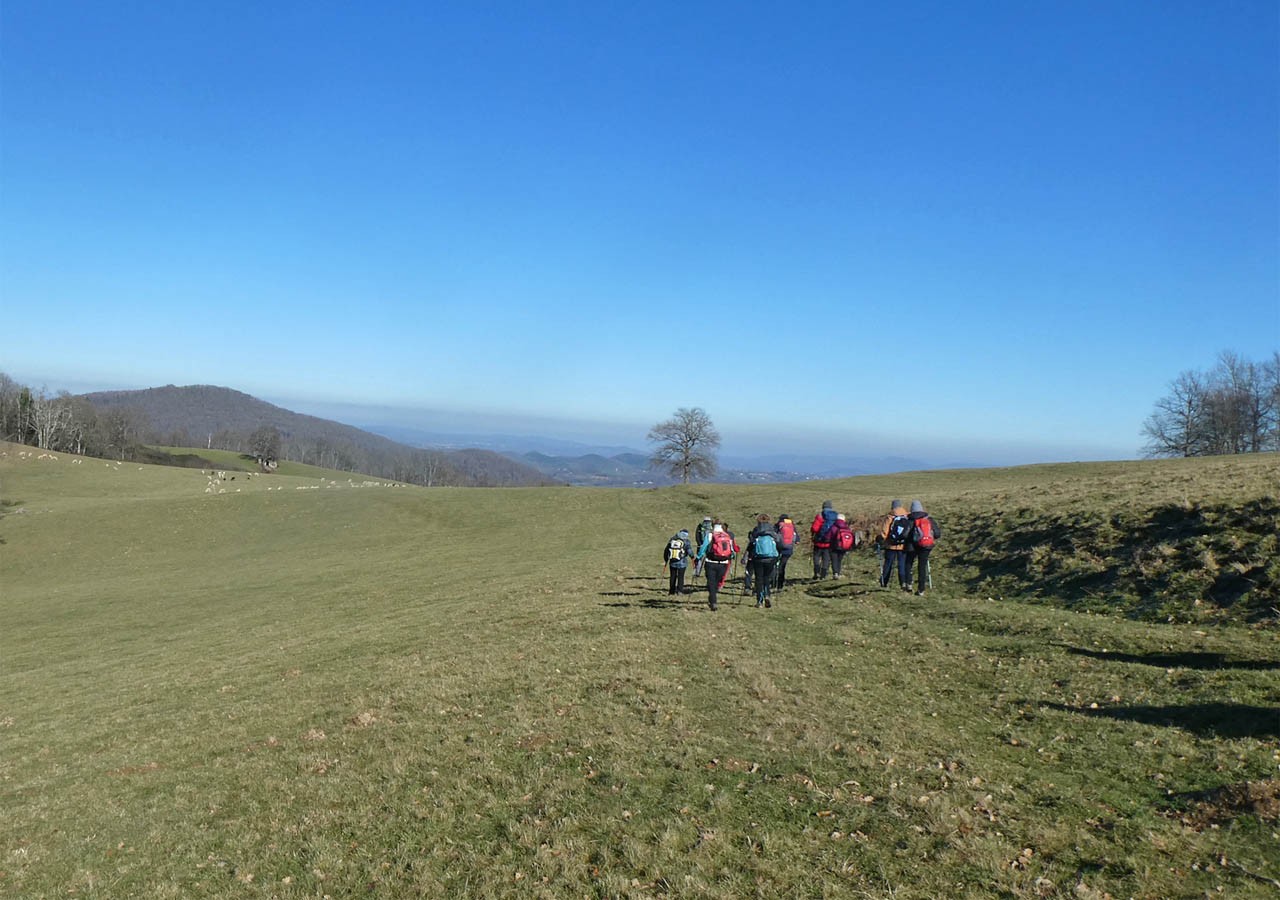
(721, 545)
(843, 537)
(787, 531)
(922, 534)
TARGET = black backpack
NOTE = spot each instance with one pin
(899, 530)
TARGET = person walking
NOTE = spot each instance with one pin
(700, 535)
(676, 557)
(786, 547)
(920, 540)
(894, 531)
(716, 553)
(821, 532)
(842, 541)
(762, 555)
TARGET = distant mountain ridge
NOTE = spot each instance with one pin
(207, 415)
(592, 464)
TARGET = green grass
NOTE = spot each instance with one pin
(304, 688)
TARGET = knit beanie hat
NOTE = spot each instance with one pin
(840, 517)
(717, 528)
(917, 506)
(894, 504)
(826, 504)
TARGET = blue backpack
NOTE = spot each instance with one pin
(765, 546)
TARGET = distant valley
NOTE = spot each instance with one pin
(577, 463)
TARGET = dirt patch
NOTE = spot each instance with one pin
(1225, 804)
(531, 742)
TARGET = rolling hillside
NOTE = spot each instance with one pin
(200, 415)
(311, 684)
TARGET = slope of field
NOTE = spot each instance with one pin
(296, 687)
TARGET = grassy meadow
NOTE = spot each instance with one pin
(312, 685)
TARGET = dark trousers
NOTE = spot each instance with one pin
(895, 559)
(780, 571)
(676, 583)
(762, 566)
(821, 561)
(837, 560)
(919, 557)
(716, 571)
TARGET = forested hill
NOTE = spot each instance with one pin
(199, 412)
(222, 418)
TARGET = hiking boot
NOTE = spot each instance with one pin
(768, 605)
(713, 607)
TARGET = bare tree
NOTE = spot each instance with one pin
(11, 409)
(119, 428)
(687, 443)
(1176, 428)
(1271, 390)
(264, 443)
(50, 419)
(1233, 408)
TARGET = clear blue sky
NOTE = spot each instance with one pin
(955, 225)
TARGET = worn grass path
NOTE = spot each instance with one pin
(333, 690)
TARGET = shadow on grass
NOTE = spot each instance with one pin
(663, 603)
(1227, 720)
(1189, 660)
(688, 599)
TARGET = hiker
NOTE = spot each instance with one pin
(842, 541)
(676, 558)
(924, 532)
(716, 553)
(786, 546)
(762, 556)
(821, 531)
(894, 531)
(700, 535)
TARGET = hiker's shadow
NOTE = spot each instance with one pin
(1227, 720)
(687, 599)
(1189, 660)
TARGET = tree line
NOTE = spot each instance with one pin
(1233, 407)
(69, 424)
(65, 423)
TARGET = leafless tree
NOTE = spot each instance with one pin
(1233, 408)
(119, 428)
(1271, 389)
(687, 443)
(264, 443)
(11, 409)
(50, 418)
(1177, 425)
